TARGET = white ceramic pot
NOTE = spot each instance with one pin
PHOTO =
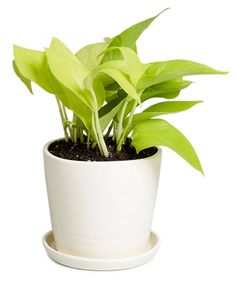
(101, 209)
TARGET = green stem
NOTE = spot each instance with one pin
(97, 127)
(100, 136)
(75, 130)
(88, 140)
(96, 141)
(109, 130)
(81, 136)
(75, 136)
(114, 131)
(94, 144)
(120, 123)
(66, 119)
(62, 119)
(122, 138)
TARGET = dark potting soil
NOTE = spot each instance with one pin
(78, 151)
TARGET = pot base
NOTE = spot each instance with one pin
(86, 263)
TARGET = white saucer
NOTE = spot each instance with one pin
(101, 264)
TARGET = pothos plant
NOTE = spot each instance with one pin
(104, 83)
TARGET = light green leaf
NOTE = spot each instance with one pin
(132, 65)
(33, 66)
(71, 74)
(71, 101)
(163, 108)
(90, 55)
(128, 37)
(96, 89)
(122, 80)
(169, 89)
(74, 103)
(99, 91)
(171, 106)
(64, 55)
(172, 69)
(117, 64)
(161, 133)
(59, 47)
(26, 81)
(108, 112)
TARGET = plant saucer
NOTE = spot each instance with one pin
(87, 263)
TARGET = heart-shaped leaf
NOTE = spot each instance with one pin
(161, 133)
(163, 108)
(71, 74)
(122, 80)
(172, 69)
(169, 89)
(26, 81)
(90, 55)
(33, 66)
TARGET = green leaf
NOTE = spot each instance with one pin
(128, 37)
(130, 63)
(33, 66)
(114, 86)
(169, 89)
(71, 74)
(162, 71)
(117, 64)
(59, 47)
(171, 106)
(99, 91)
(122, 80)
(163, 108)
(96, 89)
(134, 65)
(26, 81)
(161, 133)
(108, 112)
(90, 55)
(71, 101)
(74, 103)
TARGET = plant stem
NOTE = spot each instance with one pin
(120, 123)
(75, 130)
(109, 130)
(75, 136)
(66, 119)
(96, 141)
(122, 138)
(81, 136)
(88, 140)
(100, 136)
(94, 144)
(62, 119)
(114, 131)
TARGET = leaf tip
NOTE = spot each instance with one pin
(15, 48)
(166, 9)
(224, 72)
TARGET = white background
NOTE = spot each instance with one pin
(195, 216)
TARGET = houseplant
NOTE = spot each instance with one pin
(102, 176)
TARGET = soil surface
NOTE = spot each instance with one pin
(72, 151)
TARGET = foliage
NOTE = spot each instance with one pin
(104, 83)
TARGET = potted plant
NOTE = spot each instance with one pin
(102, 176)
